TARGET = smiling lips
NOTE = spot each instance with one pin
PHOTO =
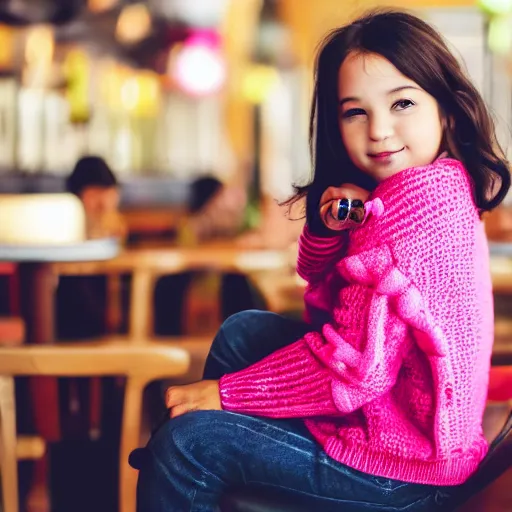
(384, 154)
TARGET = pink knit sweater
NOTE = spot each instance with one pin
(395, 383)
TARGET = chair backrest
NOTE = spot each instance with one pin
(496, 462)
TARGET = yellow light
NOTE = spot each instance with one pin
(149, 94)
(77, 71)
(258, 81)
(496, 6)
(133, 24)
(499, 38)
(101, 5)
(6, 45)
(130, 93)
(140, 94)
(123, 89)
(112, 78)
(40, 45)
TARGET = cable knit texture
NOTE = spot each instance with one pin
(392, 379)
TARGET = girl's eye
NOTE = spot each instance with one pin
(352, 112)
(403, 104)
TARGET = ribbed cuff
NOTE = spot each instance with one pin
(290, 383)
(315, 253)
(335, 238)
(319, 229)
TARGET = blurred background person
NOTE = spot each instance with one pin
(215, 211)
(94, 183)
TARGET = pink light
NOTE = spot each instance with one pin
(199, 67)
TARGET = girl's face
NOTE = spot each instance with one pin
(388, 123)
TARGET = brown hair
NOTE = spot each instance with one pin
(420, 53)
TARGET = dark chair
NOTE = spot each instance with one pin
(497, 461)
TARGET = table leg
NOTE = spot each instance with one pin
(37, 286)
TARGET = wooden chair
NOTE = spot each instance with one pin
(140, 364)
(12, 333)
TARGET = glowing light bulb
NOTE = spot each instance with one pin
(134, 23)
(199, 67)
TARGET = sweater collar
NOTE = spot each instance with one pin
(410, 172)
(391, 186)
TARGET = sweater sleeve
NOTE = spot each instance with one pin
(321, 374)
(289, 383)
(318, 253)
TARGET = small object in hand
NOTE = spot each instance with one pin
(349, 209)
(343, 213)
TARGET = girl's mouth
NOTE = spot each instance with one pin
(384, 155)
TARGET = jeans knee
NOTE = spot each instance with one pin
(231, 328)
(244, 338)
(179, 434)
(243, 318)
(182, 442)
(247, 320)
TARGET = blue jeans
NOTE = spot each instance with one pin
(192, 460)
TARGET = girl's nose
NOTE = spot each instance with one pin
(380, 127)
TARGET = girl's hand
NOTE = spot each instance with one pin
(200, 396)
(329, 204)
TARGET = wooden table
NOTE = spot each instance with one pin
(146, 265)
(37, 286)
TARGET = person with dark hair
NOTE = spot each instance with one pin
(376, 401)
(203, 190)
(94, 183)
(81, 305)
(90, 171)
(214, 210)
(81, 301)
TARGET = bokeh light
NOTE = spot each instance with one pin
(198, 67)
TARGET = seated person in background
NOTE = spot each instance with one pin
(94, 183)
(219, 211)
(280, 226)
(215, 211)
(81, 302)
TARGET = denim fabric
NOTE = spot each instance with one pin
(192, 460)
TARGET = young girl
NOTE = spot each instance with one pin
(376, 402)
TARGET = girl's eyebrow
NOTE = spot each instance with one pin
(392, 91)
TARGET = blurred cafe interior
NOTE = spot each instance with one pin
(145, 148)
